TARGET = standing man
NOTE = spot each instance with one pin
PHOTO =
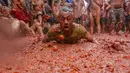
(78, 8)
(117, 14)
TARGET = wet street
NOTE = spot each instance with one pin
(108, 54)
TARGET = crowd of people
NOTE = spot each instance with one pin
(41, 17)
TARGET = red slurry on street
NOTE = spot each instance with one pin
(110, 54)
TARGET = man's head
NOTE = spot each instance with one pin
(66, 20)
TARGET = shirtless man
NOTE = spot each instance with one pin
(94, 12)
(117, 14)
(78, 8)
(16, 26)
(104, 15)
(67, 31)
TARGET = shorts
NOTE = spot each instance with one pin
(117, 14)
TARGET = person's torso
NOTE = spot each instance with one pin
(77, 8)
(117, 3)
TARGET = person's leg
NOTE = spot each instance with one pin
(102, 24)
(33, 28)
(80, 20)
(98, 22)
(113, 20)
(76, 20)
(25, 28)
(128, 23)
(83, 20)
(121, 19)
(91, 23)
(40, 32)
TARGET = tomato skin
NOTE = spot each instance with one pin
(61, 37)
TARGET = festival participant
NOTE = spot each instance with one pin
(117, 14)
(55, 10)
(85, 16)
(104, 15)
(94, 13)
(18, 27)
(67, 31)
(47, 11)
(37, 28)
(127, 16)
(18, 11)
(77, 8)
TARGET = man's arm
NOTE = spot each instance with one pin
(52, 33)
(84, 33)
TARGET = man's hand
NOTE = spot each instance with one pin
(89, 37)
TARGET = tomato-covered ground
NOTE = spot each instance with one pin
(110, 54)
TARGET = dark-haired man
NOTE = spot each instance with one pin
(67, 31)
